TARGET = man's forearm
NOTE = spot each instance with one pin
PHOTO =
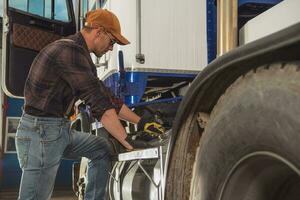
(112, 124)
(128, 115)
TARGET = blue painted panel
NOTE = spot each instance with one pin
(11, 172)
(135, 86)
(131, 89)
(211, 18)
(14, 107)
(112, 82)
(135, 83)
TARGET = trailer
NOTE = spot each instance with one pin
(223, 76)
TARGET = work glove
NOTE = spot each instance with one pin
(117, 147)
(137, 143)
(150, 128)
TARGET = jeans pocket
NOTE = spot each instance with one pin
(51, 133)
(23, 145)
(25, 126)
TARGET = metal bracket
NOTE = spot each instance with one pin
(147, 175)
(140, 58)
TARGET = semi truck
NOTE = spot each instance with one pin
(222, 76)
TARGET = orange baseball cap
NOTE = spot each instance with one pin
(108, 20)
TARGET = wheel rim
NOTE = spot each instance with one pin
(262, 176)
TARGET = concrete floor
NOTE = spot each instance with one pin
(63, 195)
(57, 195)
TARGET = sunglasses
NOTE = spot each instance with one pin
(112, 40)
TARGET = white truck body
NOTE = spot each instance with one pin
(170, 44)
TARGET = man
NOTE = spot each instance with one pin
(61, 72)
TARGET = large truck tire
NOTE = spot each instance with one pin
(250, 147)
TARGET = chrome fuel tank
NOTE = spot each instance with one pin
(140, 174)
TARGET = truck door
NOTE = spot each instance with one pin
(28, 26)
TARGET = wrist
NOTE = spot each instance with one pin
(138, 120)
(141, 123)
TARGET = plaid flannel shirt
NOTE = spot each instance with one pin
(62, 71)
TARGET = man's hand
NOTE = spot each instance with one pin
(112, 124)
(150, 127)
(137, 144)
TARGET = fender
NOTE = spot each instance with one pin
(213, 81)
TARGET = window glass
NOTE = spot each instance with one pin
(18, 4)
(85, 7)
(48, 8)
(88, 5)
(43, 8)
(36, 7)
(102, 2)
(61, 11)
(92, 5)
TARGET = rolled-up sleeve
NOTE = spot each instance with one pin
(74, 67)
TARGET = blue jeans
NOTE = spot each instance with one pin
(41, 145)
